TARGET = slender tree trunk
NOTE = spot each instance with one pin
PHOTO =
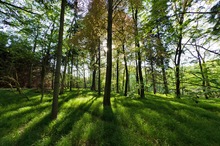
(63, 82)
(99, 69)
(117, 73)
(126, 72)
(77, 73)
(137, 44)
(153, 76)
(145, 69)
(179, 47)
(137, 75)
(166, 89)
(58, 65)
(93, 87)
(107, 94)
(53, 72)
(43, 73)
(71, 73)
(84, 77)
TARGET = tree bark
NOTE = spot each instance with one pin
(117, 73)
(166, 89)
(58, 64)
(93, 87)
(137, 75)
(99, 69)
(137, 44)
(153, 76)
(107, 94)
(126, 72)
(71, 72)
(64, 76)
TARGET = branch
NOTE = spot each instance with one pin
(116, 4)
(211, 12)
(5, 3)
(203, 48)
(192, 53)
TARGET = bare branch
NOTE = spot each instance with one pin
(203, 48)
(116, 4)
(5, 3)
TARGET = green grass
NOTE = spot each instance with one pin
(156, 120)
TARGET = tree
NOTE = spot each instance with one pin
(139, 77)
(107, 94)
(58, 63)
(179, 48)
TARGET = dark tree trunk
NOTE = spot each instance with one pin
(43, 72)
(137, 44)
(58, 64)
(178, 59)
(137, 75)
(71, 72)
(146, 81)
(63, 82)
(93, 87)
(117, 73)
(126, 72)
(166, 89)
(179, 47)
(202, 73)
(153, 76)
(84, 78)
(99, 68)
(107, 94)
(53, 72)
(77, 73)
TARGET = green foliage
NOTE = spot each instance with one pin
(82, 120)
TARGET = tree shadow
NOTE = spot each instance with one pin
(111, 129)
(172, 119)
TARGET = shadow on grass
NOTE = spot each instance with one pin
(62, 125)
(172, 122)
(112, 132)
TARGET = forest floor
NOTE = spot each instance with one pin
(155, 120)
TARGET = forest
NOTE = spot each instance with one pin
(109, 72)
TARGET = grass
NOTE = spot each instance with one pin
(156, 120)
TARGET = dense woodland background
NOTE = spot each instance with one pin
(126, 46)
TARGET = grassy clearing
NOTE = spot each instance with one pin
(156, 120)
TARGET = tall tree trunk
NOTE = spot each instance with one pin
(126, 72)
(166, 89)
(53, 72)
(179, 46)
(63, 82)
(77, 73)
(71, 72)
(137, 74)
(58, 64)
(107, 94)
(117, 73)
(84, 77)
(43, 73)
(99, 69)
(205, 82)
(93, 87)
(137, 44)
(153, 76)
